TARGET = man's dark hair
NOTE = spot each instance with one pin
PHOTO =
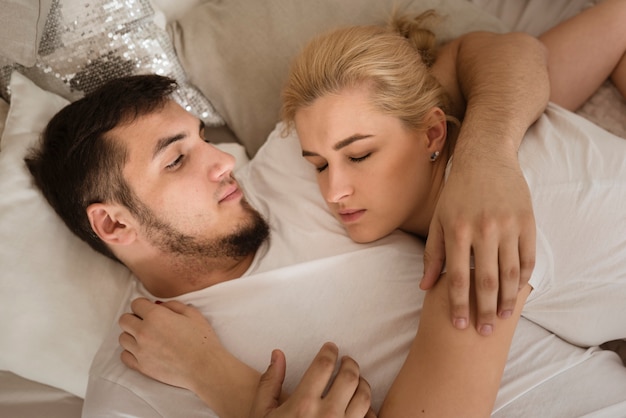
(76, 164)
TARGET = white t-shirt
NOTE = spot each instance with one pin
(312, 284)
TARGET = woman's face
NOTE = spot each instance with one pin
(373, 172)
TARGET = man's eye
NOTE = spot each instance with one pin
(359, 159)
(175, 163)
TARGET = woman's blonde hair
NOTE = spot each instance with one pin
(394, 61)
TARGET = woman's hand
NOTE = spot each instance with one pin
(347, 396)
(167, 342)
(174, 344)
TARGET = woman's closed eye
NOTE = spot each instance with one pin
(320, 168)
(359, 159)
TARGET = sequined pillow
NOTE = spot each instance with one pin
(86, 43)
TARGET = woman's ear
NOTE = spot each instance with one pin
(437, 129)
(110, 223)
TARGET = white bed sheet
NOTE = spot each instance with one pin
(20, 397)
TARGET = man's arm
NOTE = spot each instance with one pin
(485, 208)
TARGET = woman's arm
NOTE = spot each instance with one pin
(174, 344)
(451, 373)
(485, 206)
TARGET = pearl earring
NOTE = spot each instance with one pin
(434, 156)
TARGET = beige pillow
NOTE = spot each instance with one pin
(21, 29)
(237, 52)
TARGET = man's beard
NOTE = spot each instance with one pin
(244, 240)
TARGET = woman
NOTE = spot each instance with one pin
(381, 137)
(464, 366)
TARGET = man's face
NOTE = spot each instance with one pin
(189, 204)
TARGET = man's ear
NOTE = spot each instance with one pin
(437, 129)
(111, 223)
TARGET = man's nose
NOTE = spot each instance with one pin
(221, 164)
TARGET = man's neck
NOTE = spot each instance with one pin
(168, 277)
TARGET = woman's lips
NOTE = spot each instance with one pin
(351, 215)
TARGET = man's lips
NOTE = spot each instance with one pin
(231, 193)
(350, 215)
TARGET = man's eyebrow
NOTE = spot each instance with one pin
(339, 145)
(165, 142)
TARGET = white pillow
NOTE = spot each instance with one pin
(58, 297)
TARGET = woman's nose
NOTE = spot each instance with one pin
(338, 187)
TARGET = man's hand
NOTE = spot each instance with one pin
(348, 394)
(499, 85)
(486, 212)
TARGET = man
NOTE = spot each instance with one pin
(129, 172)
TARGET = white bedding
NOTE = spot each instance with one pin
(376, 323)
(25, 398)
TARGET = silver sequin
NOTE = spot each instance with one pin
(86, 43)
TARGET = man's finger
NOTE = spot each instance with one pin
(509, 277)
(486, 282)
(270, 386)
(458, 250)
(527, 249)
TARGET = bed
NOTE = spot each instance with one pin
(58, 297)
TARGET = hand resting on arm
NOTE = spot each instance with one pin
(195, 360)
(173, 343)
(485, 209)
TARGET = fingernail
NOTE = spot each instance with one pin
(486, 329)
(158, 302)
(460, 323)
(506, 314)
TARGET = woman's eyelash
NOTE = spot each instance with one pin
(359, 159)
(175, 163)
(352, 159)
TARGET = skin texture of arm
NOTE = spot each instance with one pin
(451, 373)
(485, 207)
